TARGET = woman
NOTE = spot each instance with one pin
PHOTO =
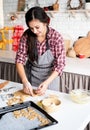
(41, 50)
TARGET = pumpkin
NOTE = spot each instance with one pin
(82, 46)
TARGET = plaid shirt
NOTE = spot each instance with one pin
(56, 45)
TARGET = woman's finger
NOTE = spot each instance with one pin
(27, 88)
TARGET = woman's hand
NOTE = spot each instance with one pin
(44, 85)
(42, 88)
(27, 88)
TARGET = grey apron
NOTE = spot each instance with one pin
(39, 71)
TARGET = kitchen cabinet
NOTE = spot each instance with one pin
(7, 66)
(8, 72)
(73, 76)
(71, 80)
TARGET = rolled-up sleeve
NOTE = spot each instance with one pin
(59, 54)
(21, 54)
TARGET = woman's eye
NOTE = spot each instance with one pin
(33, 28)
(37, 27)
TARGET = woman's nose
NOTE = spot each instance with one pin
(34, 30)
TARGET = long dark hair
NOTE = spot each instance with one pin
(34, 13)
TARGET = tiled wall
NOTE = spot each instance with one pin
(67, 24)
(8, 7)
(1, 14)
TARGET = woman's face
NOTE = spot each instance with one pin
(38, 27)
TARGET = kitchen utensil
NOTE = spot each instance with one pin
(6, 89)
(2, 85)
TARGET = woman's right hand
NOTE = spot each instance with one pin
(27, 88)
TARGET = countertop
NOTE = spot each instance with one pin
(73, 65)
(70, 116)
(78, 66)
(7, 56)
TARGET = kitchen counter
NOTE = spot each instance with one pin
(76, 73)
(7, 56)
(70, 116)
(73, 65)
(78, 66)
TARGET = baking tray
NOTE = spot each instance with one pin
(8, 121)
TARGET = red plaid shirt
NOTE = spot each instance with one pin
(56, 45)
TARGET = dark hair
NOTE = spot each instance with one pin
(34, 13)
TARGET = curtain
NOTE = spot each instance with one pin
(8, 72)
(73, 81)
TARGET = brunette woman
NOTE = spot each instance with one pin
(41, 51)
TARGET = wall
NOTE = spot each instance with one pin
(67, 24)
(1, 14)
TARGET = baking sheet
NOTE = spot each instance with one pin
(8, 121)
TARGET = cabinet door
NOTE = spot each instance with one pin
(8, 72)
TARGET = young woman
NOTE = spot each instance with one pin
(41, 51)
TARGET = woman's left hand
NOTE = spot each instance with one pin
(44, 85)
(42, 88)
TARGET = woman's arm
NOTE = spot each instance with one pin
(27, 88)
(52, 77)
(21, 72)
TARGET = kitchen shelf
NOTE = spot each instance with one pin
(72, 12)
(23, 12)
(52, 12)
(85, 11)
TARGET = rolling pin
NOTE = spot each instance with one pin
(2, 85)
